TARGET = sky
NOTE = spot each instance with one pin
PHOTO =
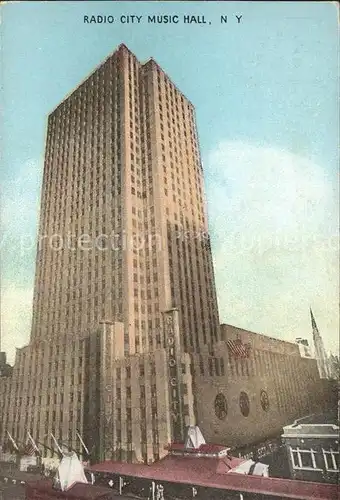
(265, 92)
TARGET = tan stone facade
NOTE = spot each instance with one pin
(123, 230)
(122, 405)
(271, 386)
(130, 399)
(45, 393)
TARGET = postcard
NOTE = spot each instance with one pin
(169, 250)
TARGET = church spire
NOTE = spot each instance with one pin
(319, 349)
(315, 328)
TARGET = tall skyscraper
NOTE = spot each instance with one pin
(123, 238)
(123, 229)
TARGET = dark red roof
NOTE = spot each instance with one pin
(204, 448)
(78, 491)
(202, 465)
(212, 448)
(212, 473)
(178, 465)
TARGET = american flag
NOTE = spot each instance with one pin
(238, 348)
(29, 448)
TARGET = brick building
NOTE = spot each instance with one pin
(312, 445)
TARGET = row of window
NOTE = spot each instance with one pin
(309, 459)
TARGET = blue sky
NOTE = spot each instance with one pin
(265, 92)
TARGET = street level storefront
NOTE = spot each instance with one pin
(259, 450)
(271, 452)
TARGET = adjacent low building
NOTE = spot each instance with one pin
(251, 385)
(312, 445)
(248, 387)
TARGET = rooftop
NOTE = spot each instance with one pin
(120, 47)
(330, 418)
(202, 449)
(213, 473)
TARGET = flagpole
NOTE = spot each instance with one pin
(12, 441)
(57, 445)
(82, 442)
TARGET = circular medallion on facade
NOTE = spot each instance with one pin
(244, 404)
(264, 400)
(221, 406)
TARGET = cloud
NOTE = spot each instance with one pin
(273, 218)
(19, 205)
(16, 305)
(20, 202)
(274, 227)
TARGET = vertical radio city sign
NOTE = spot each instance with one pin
(172, 346)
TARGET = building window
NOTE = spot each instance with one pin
(244, 404)
(303, 459)
(221, 406)
(222, 366)
(331, 458)
(264, 400)
(201, 365)
(217, 367)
